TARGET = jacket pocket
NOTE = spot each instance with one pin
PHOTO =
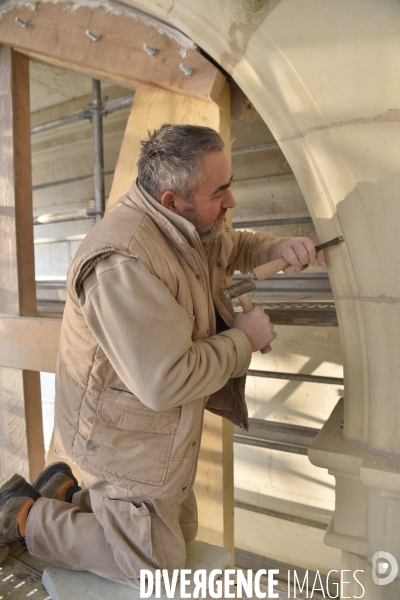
(129, 441)
(123, 410)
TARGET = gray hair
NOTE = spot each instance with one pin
(171, 159)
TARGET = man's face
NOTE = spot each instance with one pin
(207, 211)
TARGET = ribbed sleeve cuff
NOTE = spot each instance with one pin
(243, 350)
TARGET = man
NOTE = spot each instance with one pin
(148, 341)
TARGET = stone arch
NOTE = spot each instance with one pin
(322, 79)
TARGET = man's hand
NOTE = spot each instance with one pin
(299, 252)
(257, 326)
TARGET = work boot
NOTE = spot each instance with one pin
(17, 497)
(57, 482)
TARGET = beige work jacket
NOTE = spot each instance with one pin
(139, 353)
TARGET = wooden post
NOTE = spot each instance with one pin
(214, 486)
(151, 108)
(21, 441)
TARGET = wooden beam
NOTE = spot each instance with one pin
(56, 33)
(21, 443)
(214, 483)
(150, 109)
(29, 343)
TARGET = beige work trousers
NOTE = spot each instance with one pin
(109, 533)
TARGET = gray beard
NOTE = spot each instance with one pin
(208, 236)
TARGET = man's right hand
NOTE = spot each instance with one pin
(257, 326)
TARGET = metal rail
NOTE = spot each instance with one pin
(108, 107)
(49, 184)
(304, 282)
(281, 515)
(74, 216)
(296, 377)
(317, 314)
(79, 237)
(317, 309)
(276, 436)
(271, 222)
(77, 215)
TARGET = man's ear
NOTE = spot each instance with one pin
(169, 200)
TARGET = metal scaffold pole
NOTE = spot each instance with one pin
(98, 154)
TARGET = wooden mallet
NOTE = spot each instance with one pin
(241, 291)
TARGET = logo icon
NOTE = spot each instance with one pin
(385, 564)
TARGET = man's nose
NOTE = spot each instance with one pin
(229, 200)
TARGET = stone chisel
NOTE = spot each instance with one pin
(241, 289)
(273, 267)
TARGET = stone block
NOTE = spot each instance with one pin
(64, 584)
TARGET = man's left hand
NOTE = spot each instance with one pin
(299, 252)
